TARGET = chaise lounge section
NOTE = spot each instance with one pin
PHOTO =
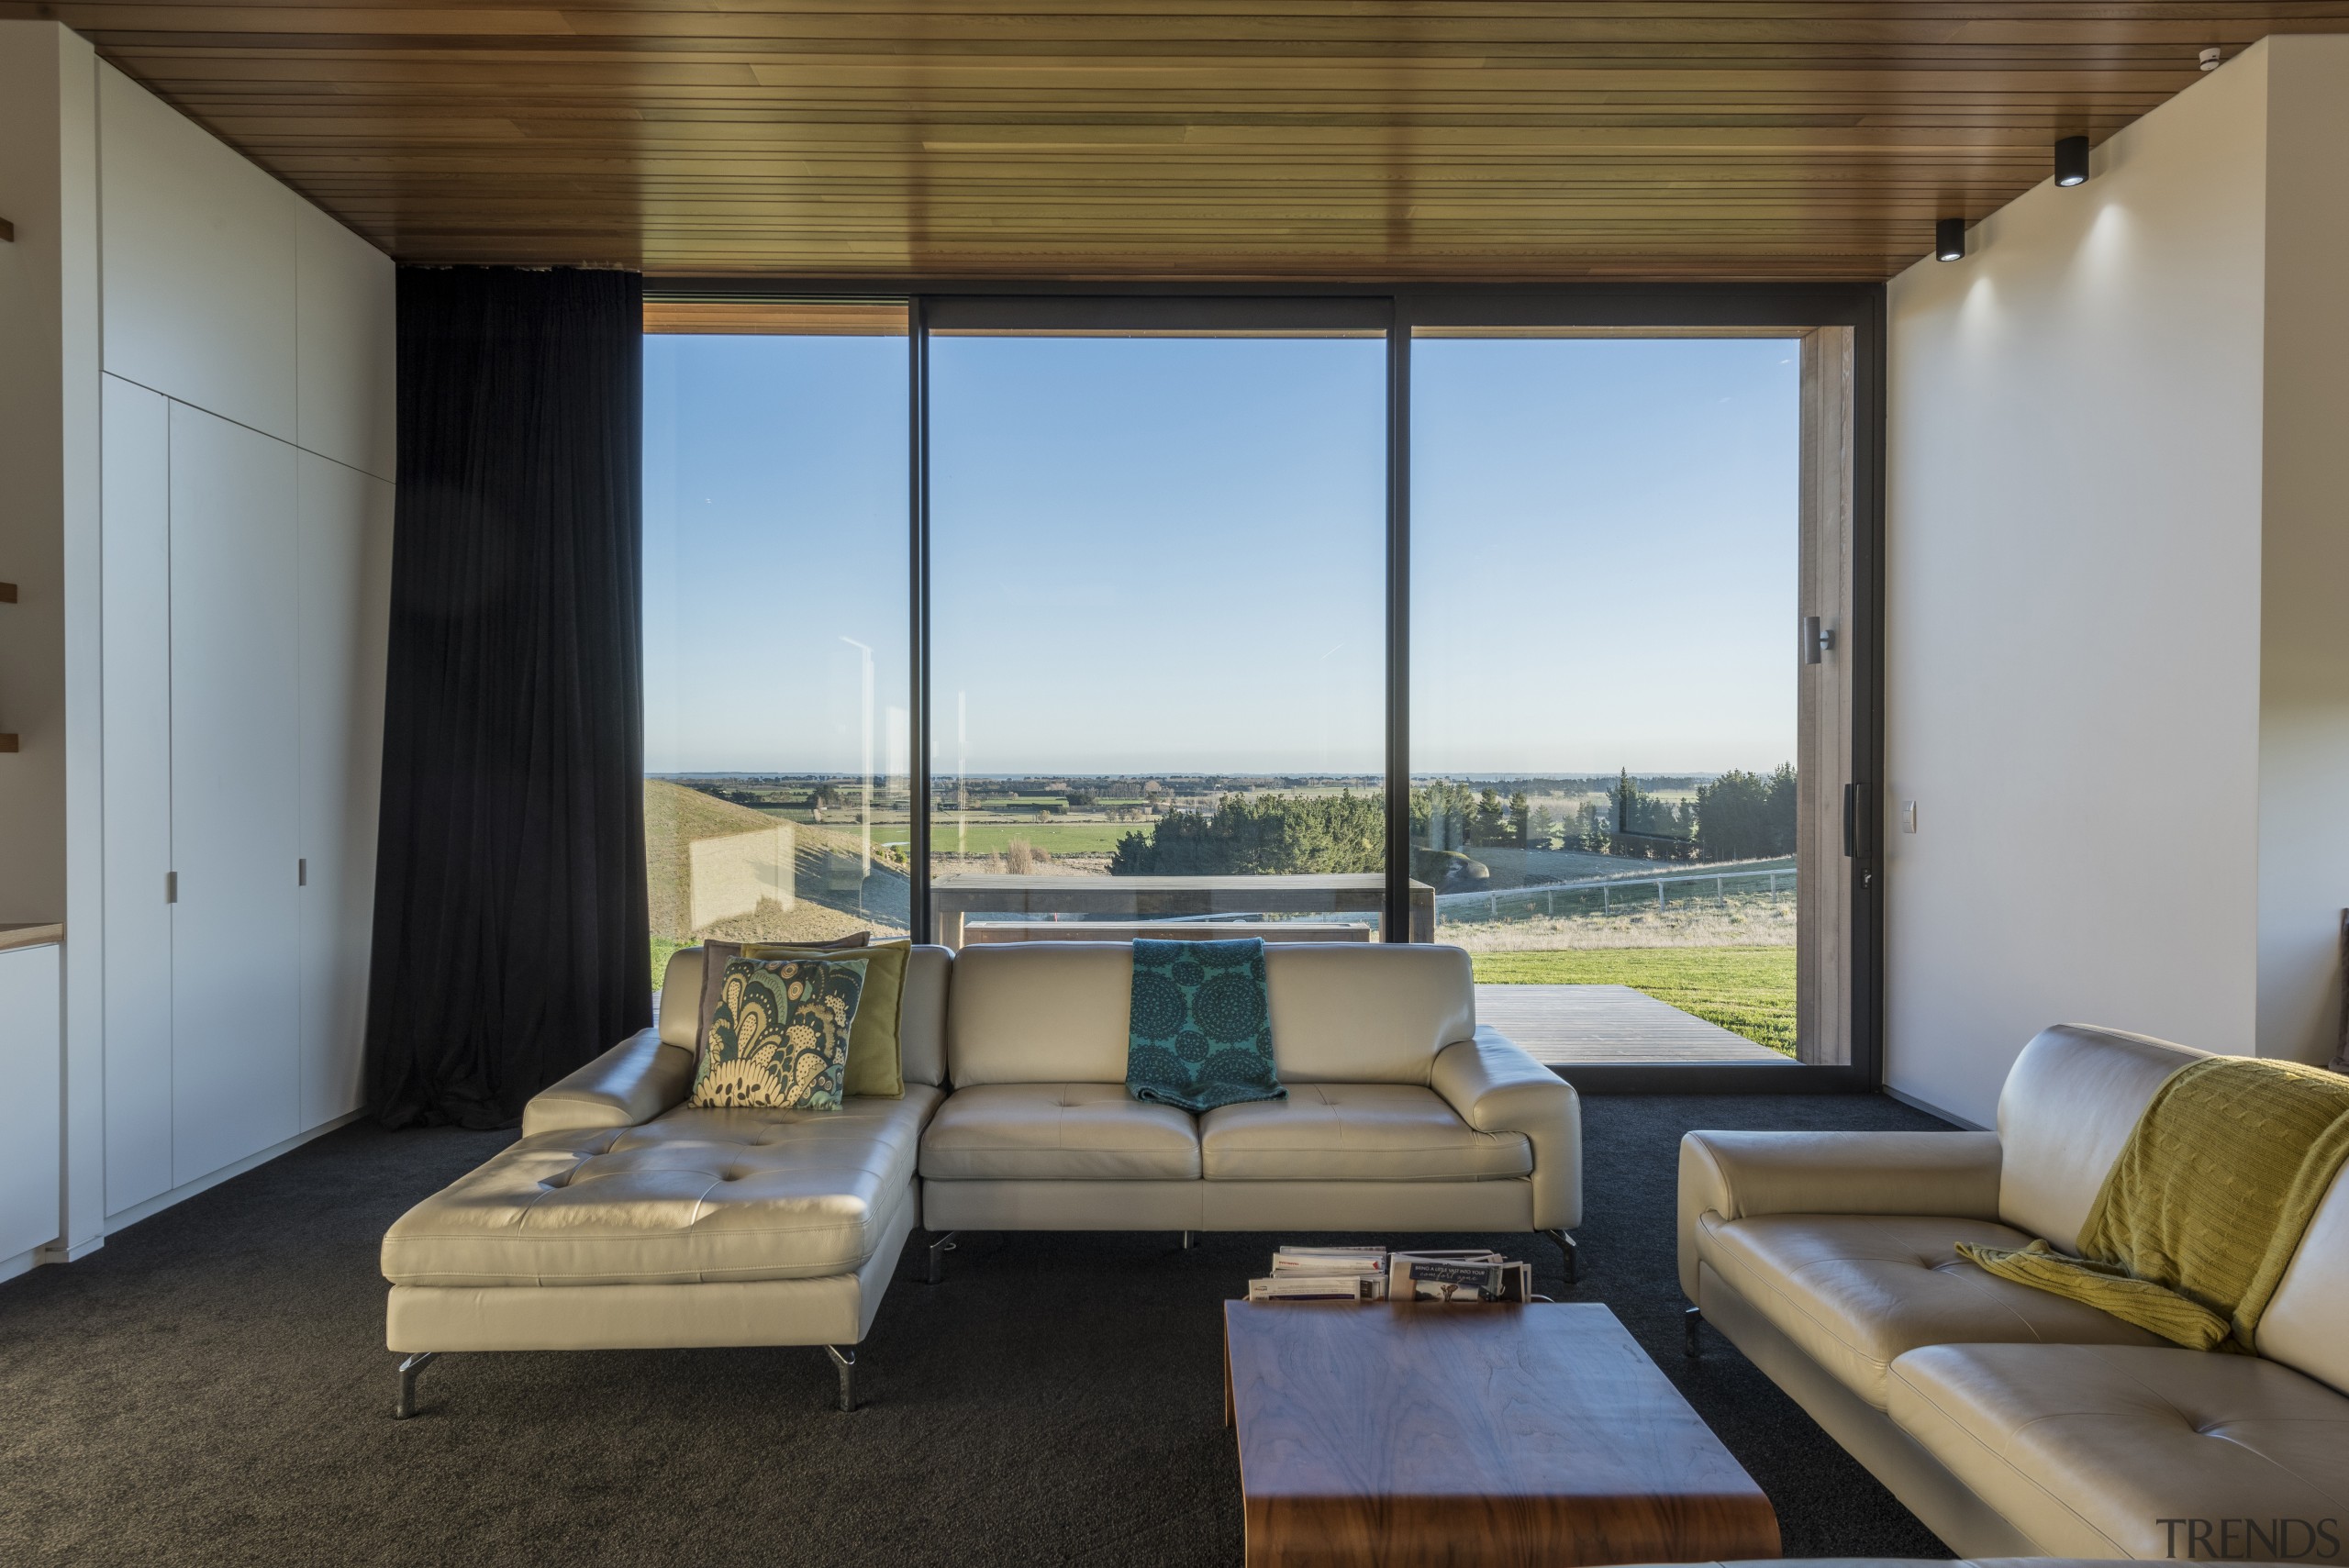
(625, 1220)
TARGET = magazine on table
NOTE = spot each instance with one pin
(1456, 1276)
(1372, 1273)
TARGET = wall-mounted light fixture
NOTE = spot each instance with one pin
(1949, 239)
(2072, 160)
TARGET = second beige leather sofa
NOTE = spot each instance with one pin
(2015, 1423)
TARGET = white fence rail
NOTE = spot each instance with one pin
(1626, 890)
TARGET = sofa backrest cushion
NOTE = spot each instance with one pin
(2067, 1107)
(2302, 1327)
(681, 999)
(1342, 1012)
(921, 1016)
(1367, 1012)
(1038, 1013)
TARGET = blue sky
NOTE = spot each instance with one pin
(1165, 555)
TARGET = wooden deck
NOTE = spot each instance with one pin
(1573, 1024)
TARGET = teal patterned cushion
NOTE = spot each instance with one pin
(1200, 1029)
(778, 1034)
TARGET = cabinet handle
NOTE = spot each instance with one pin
(170, 888)
(302, 871)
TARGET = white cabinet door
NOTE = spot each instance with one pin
(235, 793)
(347, 337)
(135, 664)
(345, 594)
(196, 264)
(29, 1124)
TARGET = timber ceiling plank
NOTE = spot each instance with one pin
(1371, 140)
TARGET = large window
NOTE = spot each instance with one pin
(1159, 632)
(1492, 618)
(776, 726)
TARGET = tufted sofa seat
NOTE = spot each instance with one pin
(2012, 1421)
(694, 1196)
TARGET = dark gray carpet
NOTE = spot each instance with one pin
(212, 1387)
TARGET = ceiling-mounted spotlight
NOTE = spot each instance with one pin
(2072, 160)
(1949, 239)
(2211, 56)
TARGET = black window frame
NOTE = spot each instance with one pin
(1393, 311)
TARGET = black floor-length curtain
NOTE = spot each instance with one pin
(510, 926)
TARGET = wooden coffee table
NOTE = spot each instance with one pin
(1400, 1435)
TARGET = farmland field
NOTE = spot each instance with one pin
(1746, 990)
(985, 837)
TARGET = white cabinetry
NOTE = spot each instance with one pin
(136, 672)
(246, 546)
(235, 793)
(30, 1133)
(344, 566)
(198, 263)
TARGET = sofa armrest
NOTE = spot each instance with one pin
(1738, 1175)
(633, 1083)
(1496, 1087)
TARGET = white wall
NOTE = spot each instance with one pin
(2082, 690)
(2304, 583)
(204, 363)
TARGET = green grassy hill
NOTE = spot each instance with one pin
(675, 816)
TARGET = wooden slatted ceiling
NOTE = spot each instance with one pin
(1194, 139)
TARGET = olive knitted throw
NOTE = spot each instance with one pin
(1200, 1030)
(2200, 1215)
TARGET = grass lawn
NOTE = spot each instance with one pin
(1746, 990)
(1053, 838)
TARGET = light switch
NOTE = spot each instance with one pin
(1908, 817)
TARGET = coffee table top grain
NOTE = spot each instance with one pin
(1396, 1434)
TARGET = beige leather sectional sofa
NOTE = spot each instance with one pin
(2015, 1423)
(624, 1218)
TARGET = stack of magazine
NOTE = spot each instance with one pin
(1372, 1274)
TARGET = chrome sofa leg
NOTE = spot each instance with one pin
(1690, 1321)
(409, 1369)
(1571, 1253)
(846, 1361)
(938, 1251)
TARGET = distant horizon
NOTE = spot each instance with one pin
(1487, 774)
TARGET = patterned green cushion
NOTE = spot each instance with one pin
(1200, 1025)
(779, 1032)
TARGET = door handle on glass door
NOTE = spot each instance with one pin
(1854, 831)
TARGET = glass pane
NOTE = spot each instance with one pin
(776, 751)
(1605, 541)
(1157, 582)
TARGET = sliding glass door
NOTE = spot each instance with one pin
(1608, 768)
(1158, 634)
